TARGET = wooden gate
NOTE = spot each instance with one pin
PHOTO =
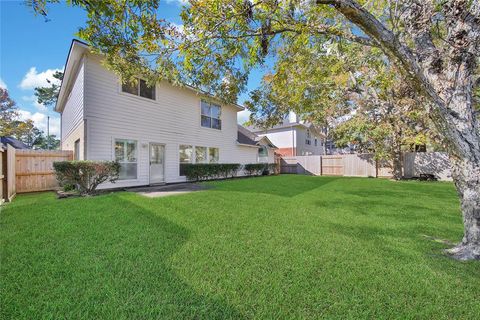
(34, 169)
(332, 165)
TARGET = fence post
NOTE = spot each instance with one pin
(321, 165)
(3, 182)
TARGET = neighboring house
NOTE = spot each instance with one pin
(17, 144)
(293, 137)
(149, 130)
(247, 138)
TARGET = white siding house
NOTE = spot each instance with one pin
(294, 138)
(150, 130)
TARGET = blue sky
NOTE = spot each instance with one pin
(31, 49)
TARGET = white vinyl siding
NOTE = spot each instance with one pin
(172, 119)
(72, 115)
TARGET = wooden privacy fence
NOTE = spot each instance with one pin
(350, 165)
(34, 169)
(7, 171)
(364, 165)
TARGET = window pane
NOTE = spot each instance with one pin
(185, 154)
(119, 150)
(146, 91)
(200, 154)
(216, 124)
(128, 171)
(262, 152)
(130, 87)
(206, 122)
(131, 151)
(205, 109)
(213, 154)
(215, 111)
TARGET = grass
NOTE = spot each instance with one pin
(272, 248)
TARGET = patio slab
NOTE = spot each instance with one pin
(168, 190)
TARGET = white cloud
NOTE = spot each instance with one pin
(34, 101)
(33, 79)
(243, 116)
(3, 84)
(179, 2)
(40, 121)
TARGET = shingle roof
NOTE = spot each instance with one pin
(17, 144)
(245, 136)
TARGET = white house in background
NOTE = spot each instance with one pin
(149, 130)
(293, 137)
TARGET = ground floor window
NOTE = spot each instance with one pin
(214, 155)
(196, 154)
(263, 154)
(200, 154)
(126, 155)
(185, 156)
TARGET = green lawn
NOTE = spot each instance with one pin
(271, 247)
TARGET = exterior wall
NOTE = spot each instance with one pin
(292, 142)
(284, 139)
(172, 119)
(304, 149)
(287, 152)
(69, 142)
(73, 112)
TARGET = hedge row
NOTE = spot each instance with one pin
(205, 171)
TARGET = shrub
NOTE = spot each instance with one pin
(255, 169)
(203, 171)
(85, 175)
(272, 168)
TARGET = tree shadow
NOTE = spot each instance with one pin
(110, 260)
(289, 186)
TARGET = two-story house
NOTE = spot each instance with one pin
(150, 131)
(293, 137)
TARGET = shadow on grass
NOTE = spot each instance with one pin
(284, 186)
(103, 258)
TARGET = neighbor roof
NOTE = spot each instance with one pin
(17, 144)
(75, 54)
(247, 137)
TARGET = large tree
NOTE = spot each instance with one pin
(436, 44)
(48, 95)
(24, 130)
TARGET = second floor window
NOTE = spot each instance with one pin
(139, 88)
(307, 140)
(211, 115)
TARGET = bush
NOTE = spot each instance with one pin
(255, 169)
(85, 175)
(204, 171)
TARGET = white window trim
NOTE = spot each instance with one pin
(221, 116)
(194, 155)
(136, 156)
(127, 94)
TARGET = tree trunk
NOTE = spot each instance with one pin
(397, 165)
(466, 173)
